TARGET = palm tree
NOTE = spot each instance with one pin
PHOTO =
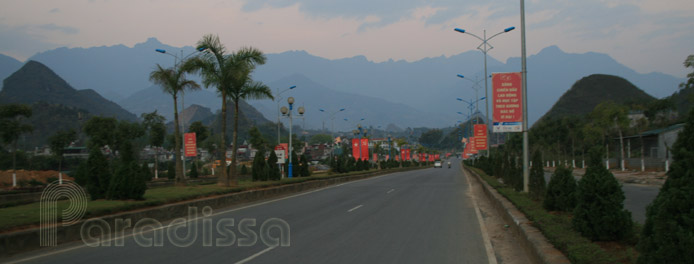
(173, 82)
(230, 73)
(11, 127)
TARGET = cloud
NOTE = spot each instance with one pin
(54, 27)
(387, 11)
(19, 43)
(54, 10)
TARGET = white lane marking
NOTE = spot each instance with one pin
(391, 190)
(355, 208)
(192, 219)
(485, 237)
(255, 255)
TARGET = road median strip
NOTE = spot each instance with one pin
(536, 245)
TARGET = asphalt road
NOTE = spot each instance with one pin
(636, 197)
(422, 216)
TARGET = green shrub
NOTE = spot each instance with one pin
(561, 192)
(537, 178)
(171, 170)
(128, 182)
(146, 172)
(259, 169)
(668, 235)
(304, 172)
(599, 213)
(273, 168)
(193, 170)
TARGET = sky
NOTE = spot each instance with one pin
(645, 35)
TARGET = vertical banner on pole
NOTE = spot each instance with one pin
(480, 137)
(355, 148)
(364, 149)
(507, 102)
(190, 145)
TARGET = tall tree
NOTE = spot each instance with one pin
(154, 125)
(231, 75)
(200, 130)
(612, 117)
(668, 234)
(58, 142)
(173, 81)
(11, 127)
(257, 139)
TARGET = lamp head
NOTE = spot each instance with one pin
(284, 110)
(292, 87)
(301, 110)
(461, 76)
(290, 100)
(460, 30)
(509, 29)
(160, 50)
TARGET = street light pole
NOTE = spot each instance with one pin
(279, 99)
(524, 73)
(485, 47)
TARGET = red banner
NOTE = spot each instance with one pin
(375, 157)
(437, 157)
(507, 102)
(355, 148)
(431, 157)
(480, 141)
(364, 149)
(191, 149)
(405, 154)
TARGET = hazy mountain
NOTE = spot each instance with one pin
(428, 85)
(195, 113)
(313, 96)
(8, 65)
(153, 98)
(114, 71)
(592, 90)
(35, 82)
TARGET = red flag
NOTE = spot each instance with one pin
(364, 149)
(407, 154)
(355, 148)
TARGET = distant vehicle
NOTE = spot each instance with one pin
(449, 164)
(437, 164)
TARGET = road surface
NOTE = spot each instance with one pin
(422, 216)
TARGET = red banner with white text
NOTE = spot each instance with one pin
(480, 141)
(365, 149)
(355, 148)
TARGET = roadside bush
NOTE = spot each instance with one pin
(128, 182)
(273, 167)
(94, 174)
(146, 172)
(668, 235)
(259, 169)
(304, 172)
(243, 170)
(193, 170)
(537, 178)
(599, 214)
(171, 170)
(561, 192)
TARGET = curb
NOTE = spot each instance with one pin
(29, 239)
(538, 248)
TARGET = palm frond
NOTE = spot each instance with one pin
(255, 91)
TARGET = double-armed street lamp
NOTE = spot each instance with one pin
(485, 47)
(476, 86)
(177, 60)
(288, 112)
(331, 115)
(279, 100)
(471, 105)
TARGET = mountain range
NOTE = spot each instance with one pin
(407, 94)
(35, 82)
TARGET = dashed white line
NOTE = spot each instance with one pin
(255, 255)
(391, 190)
(355, 208)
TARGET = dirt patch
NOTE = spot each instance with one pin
(640, 177)
(26, 176)
(504, 241)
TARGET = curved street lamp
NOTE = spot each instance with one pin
(279, 100)
(288, 112)
(485, 47)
